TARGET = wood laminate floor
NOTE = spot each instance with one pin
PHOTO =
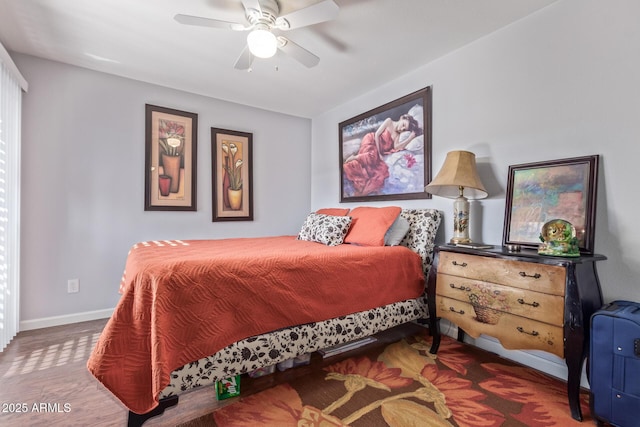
(44, 381)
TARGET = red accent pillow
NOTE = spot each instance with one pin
(369, 225)
(333, 211)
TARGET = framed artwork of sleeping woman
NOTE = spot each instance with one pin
(385, 153)
(170, 159)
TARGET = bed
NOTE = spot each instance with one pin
(185, 320)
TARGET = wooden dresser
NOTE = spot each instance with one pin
(527, 301)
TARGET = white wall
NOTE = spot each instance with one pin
(83, 182)
(561, 83)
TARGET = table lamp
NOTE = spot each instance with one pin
(458, 179)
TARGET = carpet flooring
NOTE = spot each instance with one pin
(402, 384)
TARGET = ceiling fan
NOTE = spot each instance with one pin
(262, 19)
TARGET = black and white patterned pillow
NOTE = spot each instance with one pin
(422, 234)
(327, 229)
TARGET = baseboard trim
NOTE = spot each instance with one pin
(47, 322)
(540, 360)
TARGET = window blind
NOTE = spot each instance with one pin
(10, 124)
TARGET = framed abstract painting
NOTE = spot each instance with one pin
(537, 193)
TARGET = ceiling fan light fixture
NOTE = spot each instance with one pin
(262, 43)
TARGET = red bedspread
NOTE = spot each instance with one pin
(184, 300)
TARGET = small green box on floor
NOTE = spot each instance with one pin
(228, 388)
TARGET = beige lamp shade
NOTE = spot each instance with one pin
(458, 170)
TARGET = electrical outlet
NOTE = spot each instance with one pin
(73, 286)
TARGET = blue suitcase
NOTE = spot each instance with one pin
(614, 364)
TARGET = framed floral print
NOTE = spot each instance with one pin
(232, 175)
(170, 159)
(537, 193)
(385, 153)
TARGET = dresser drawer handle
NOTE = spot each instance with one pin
(532, 304)
(456, 311)
(464, 264)
(532, 333)
(460, 288)
(535, 276)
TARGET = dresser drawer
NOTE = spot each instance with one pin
(514, 332)
(535, 305)
(549, 279)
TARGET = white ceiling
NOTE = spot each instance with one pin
(369, 43)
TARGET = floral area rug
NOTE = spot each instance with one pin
(404, 385)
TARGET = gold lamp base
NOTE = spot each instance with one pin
(456, 240)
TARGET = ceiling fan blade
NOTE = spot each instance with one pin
(297, 52)
(252, 4)
(244, 60)
(208, 22)
(320, 12)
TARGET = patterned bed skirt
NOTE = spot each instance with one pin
(274, 347)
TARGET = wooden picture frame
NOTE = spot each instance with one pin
(558, 189)
(171, 141)
(232, 175)
(395, 166)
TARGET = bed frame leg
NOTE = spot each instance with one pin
(136, 420)
(425, 321)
